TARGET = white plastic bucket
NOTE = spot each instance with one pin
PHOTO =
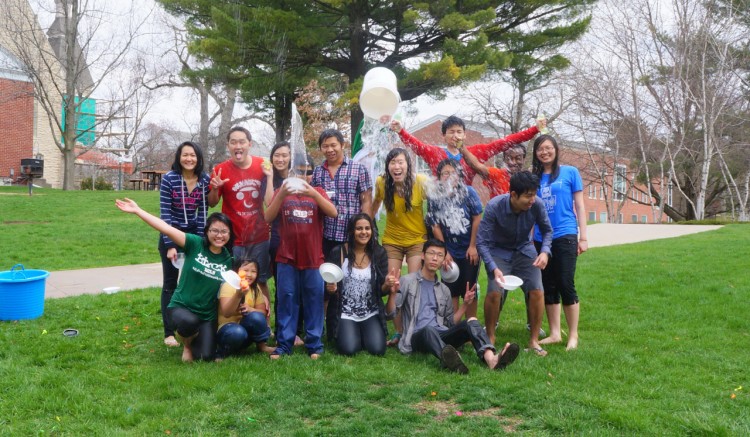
(379, 94)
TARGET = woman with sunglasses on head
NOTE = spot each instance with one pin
(358, 319)
(403, 194)
(182, 205)
(561, 189)
(192, 311)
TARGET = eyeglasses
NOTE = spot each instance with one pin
(433, 254)
(218, 231)
(446, 174)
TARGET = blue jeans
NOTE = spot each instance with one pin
(233, 337)
(297, 287)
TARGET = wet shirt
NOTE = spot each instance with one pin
(454, 214)
(497, 181)
(301, 232)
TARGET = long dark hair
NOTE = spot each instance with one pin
(536, 166)
(177, 167)
(221, 218)
(350, 231)
(239, 263)
(390, 185)
(276, 176)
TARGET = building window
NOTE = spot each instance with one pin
(422, 166)
(669, 194)
(619, 182)
(634, 218)
(620, 218)
(592, 191)
(602, 192)
(592, 216)
(644, 219)
(603, 217)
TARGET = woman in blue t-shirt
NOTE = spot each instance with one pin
(561, 189)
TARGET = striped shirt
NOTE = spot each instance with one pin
(181, 209)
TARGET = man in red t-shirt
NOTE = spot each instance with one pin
(299, 255)
(240, 181)
(497, 181)
(454, 133)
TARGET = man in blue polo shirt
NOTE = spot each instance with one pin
(504, 243)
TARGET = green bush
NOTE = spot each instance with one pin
(100, 185)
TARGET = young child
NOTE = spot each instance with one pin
(242, 314)
(299, 255)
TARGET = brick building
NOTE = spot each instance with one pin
(628, 202)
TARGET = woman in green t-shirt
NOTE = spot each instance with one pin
(192, 310)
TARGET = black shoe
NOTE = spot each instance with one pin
(452, 360)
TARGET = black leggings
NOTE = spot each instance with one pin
(187, 324)
(169, 283)
(354, 336)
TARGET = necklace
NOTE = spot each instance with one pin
(361, 263)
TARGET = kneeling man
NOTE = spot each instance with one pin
(430, 324)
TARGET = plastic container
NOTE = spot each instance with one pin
(379, 94)
(331, 273)
(450, 275)
(22, 293)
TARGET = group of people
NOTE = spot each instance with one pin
(284, 221)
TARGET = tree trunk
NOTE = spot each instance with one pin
(283, 115)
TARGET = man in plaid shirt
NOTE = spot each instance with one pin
(349, 187)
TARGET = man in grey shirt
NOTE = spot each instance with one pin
(429, 322)
(504, 243)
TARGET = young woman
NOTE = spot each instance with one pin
(358, 320)
(455, 211)
(242, 314)
(182, 203)
(403, 194)
(561, 189)
(192, 311)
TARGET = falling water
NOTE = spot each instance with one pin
(377, 140)
(447, 199)
(297, 142)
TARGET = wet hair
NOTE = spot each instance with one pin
(276, 147)
(450, 122)
(221, 218)
(434, 242)
(453, 163)
(177, 167)
(239, 129)
(523, 182)
(350, 231)
(536, 165)
(328, 133)
(305, 160)
(390, 185)
(518, 146)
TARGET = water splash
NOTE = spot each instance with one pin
(377, 140)
(447, 200)
(297, 142)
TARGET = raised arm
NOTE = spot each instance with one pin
(130, 207)
(474, 163)
(432, 155)
(483, 152)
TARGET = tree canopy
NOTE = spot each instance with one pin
(277, 46)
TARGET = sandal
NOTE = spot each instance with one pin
(393, 342)
(537, 350)
(507, 357)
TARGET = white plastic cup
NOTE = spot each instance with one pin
(379, 96)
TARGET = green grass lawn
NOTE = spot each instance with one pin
(664, 347)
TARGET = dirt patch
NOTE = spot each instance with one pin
(24, 222)
(442, 410)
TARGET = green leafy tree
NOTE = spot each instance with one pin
(278, 46)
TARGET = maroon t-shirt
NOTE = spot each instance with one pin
(301, 231)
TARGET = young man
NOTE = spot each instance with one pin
(431, 325)
(497, 181)
(504, 242)
(298, 258)
(346, 183)
(454, 133)
(240, 181)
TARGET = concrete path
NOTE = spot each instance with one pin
(67, 283)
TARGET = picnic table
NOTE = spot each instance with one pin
(154, 178)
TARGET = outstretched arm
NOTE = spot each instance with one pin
(483, 152)
(474, 163)
(174, 234)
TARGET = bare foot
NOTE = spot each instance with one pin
(274, 356)
(551, 340)
(537, 350)
(218, 359)
(298, 341)
(171, 341)
(572, 344)
(314, 356)
(187, 354)
(262, 347)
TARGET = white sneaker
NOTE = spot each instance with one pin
(542, 334)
